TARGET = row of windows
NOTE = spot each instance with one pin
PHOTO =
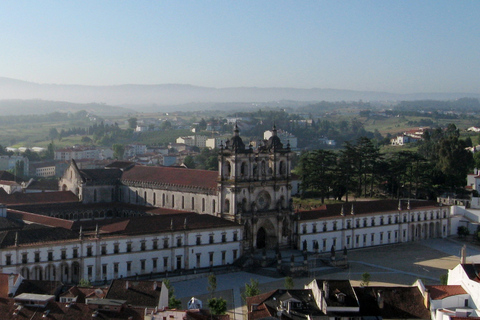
(357, 239)
(63, 256)
(116, 248)
(413, 218)
(154, 265)
(165, 201)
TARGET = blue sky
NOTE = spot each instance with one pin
(395, 46)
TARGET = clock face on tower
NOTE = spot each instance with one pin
(263, 200)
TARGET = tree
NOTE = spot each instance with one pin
(454, 160)
(173, 302)
(289, 283)
(317, 171)
(86, 139)
(463, 231)
(212, 284)
(444, 279)
(84, 283)
(365, 279)
(132, 123)
(118, 151)
(53, 133)
(50, 153)
(217, 306)
(251, 289)
(189, 162)
(19, 169)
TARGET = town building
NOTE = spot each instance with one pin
(77, 153)
(338, 299)
(370, 223)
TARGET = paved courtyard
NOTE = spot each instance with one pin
(399, 264)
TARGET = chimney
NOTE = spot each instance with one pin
(11, 283)
(155, 285)
(326, 289)
(463, 254)
(126, 285)
(426, 299)
(380, 299)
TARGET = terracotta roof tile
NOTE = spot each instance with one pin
(172, 176)
(60, 311)
(39, 219)
(36, 198)
(441, 292)
(166, 222)
(30, 236)
(363, 207)
(138, 293)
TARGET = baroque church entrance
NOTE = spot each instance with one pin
(261, 238)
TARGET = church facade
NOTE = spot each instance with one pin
(251, 188)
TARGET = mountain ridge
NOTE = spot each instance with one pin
(169, 95)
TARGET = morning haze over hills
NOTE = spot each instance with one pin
(169, 97)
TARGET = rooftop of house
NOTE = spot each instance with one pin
(472, 271)
(392, 302)
(294, 304)
(81, 293)
(5, 175)
(337, 288)
(42, 287)
(60, 311)
(364, 207)
(440, 292)
(135, 293)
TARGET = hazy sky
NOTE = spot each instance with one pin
(395, 46)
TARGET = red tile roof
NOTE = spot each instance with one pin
(172, 176)
(36, 198)
(39, 219)
(138, 293)
(363, 207)
(441, 292)
(60, 311)
(166, 222)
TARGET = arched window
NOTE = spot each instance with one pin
(227, 206)
(281, 167)
(228, 169)
(243, 169)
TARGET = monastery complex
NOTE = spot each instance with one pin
(129, 220)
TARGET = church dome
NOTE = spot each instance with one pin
(274, 141)
(235, 143)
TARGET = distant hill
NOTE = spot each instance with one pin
(25, 107)
(163, 96)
